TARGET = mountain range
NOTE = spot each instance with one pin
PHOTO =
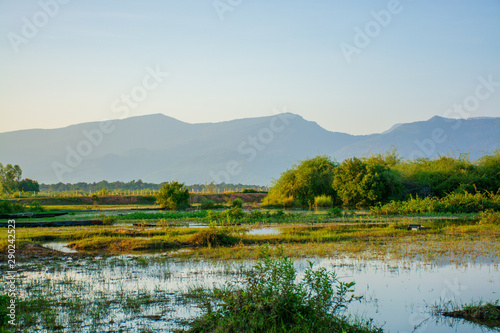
(157, 148)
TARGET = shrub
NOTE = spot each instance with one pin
(35, 206)
(107, 219)
(452, 203)
(256, 214)
(323, 201)
(490, 217)
(272, 301)
(249, 190)
(4, 319)
(173, 196)
(7, 207)
(237, 203)
(235, 213)
(213, 236)
(300, 184)
(207, 204)
(365, 182)
(335, 212)
(279, 214)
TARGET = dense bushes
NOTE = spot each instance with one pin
(452, 203)
(173, 196)
(301, 184)
(365, 182)
(387, 179)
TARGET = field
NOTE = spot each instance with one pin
(149, 270)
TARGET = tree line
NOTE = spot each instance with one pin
(11, 180)
(382, 178)
(119, 186)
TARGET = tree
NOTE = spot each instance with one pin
(28, 185)
(365, 182)
(311, 178)
(173, 196)
(9, 177)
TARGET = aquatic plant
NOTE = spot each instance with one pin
(272, 301)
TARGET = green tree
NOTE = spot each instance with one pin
(29, 185)
(365, 182)
(10, 176)
(442, 176)
(488, 172)
(303, 182)
(173, 196)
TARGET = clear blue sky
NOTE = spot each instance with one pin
(263, 57)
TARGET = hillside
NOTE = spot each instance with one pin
(156, 148)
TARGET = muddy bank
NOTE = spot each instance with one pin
(28, 250)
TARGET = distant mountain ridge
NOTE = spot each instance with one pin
(157, 148)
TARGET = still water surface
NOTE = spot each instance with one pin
(397, 295)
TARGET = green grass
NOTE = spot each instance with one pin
(487, 314)
(452, 203)
(176, 215)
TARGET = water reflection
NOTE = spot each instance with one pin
(397, 295)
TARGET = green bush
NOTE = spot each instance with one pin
(231, 214)
(335, 212)
(300, 184)
(237, 203)
(107, 219)
(364, 182)
(173, 196)
(323, 201)
(271, 300)
(207, 204)
(213, 236)
(8, 207)
(4, 319)
(35, 206)
(490, 217)
(452, 203)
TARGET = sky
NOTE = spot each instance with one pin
(357, 67)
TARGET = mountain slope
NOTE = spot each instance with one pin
(157, 148)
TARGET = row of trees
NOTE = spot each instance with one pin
(11, 180)
(137, 186)
(382, 178)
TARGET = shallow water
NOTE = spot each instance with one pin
(59, 246)
(397, 295)
(264, 231)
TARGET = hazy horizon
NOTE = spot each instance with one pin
(249, 117)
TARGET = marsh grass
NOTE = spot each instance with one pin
(452, 203)
(58, 303)
(109, 239)
(481, 313)
(271, 300)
